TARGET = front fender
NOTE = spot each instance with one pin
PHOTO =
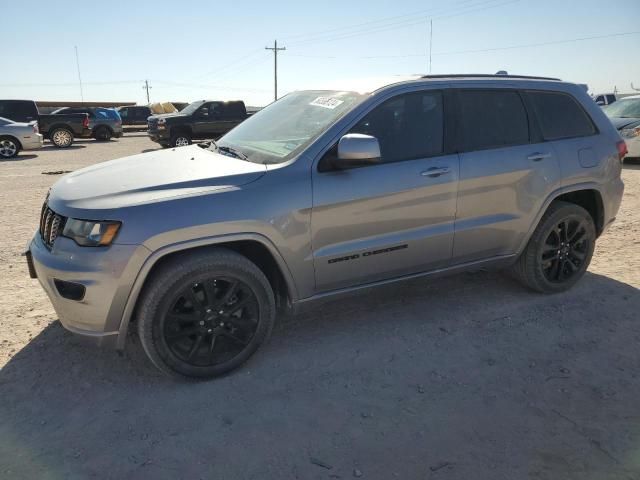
(162, 252)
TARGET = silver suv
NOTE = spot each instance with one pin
(325, 192)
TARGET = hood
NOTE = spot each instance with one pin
(621, 122)
(150, 177)
(169, 115)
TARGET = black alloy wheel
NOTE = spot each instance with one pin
(211, 322)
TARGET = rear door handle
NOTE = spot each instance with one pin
(536, 157)
(435, 171)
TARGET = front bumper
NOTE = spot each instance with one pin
(159, 136)
(107, 275)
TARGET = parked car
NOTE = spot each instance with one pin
(16, 136)
(104, 123)
(60, 129)
(204, 119)
(603, 99)
(625, 116)
(134, 117)
(322, 193)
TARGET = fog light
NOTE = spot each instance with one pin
(70, 290)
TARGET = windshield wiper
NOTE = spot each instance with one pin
(214, 147)
(232, 152)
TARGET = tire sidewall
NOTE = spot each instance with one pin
(534, 252)
(15, 143)
(160, 297)
(180, 135)
(53, 137)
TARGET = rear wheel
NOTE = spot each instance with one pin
(559, 250)
(180, 140)
(205, 314)
(103, 134)
(61, 137)
(9, 147)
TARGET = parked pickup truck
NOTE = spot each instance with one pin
(204, 119)
(60, 129)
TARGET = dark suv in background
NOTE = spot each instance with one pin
(134, 117)
(104, 123)
(204, 119)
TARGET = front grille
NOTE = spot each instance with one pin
(51, 225)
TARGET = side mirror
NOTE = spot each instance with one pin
(356, 150)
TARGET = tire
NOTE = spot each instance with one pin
(204, 314)
(9, 147)
(559, 250)
(180, 140)
(61, 137)
(103, 134)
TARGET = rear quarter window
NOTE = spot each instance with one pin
(560, 115)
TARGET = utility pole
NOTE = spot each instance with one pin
(275, 66)
(147, 87)
(430, 42)
(79, 77)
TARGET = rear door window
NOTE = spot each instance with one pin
(560, 115)
(491, 119)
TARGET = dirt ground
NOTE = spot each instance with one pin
(466, 377)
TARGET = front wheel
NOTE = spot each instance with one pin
(180, 140)
(560, 249)
(205, 314)
(61, 137)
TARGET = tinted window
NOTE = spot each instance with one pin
(17, 110)
(560, 116)
(492, 119)
(408, 126)
(124, 112)
(611, 98)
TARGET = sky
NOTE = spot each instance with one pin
(191, 50)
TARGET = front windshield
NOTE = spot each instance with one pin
(280, 131)
(192, 107)
(628, 108)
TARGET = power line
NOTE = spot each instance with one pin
(275, 49)
(541, 44)
(460, 52)
(487, 4)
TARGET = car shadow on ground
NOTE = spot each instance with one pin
(19, 158)
(51, 147)
(470, 373)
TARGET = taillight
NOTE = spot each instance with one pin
(85, 122)
(622, 149)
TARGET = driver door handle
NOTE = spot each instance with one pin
(536, 157)
(435, 172)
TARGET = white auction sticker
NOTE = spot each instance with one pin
(326, 102)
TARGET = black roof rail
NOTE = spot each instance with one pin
(489, 75)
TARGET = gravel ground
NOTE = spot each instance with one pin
(466, 377)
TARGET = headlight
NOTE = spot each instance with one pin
(91, 234)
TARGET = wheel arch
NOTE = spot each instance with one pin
(11, 137)
(57, 126)
(586, 195)
(255, 247)
(180, 129)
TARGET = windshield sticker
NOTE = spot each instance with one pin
(326, 102)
